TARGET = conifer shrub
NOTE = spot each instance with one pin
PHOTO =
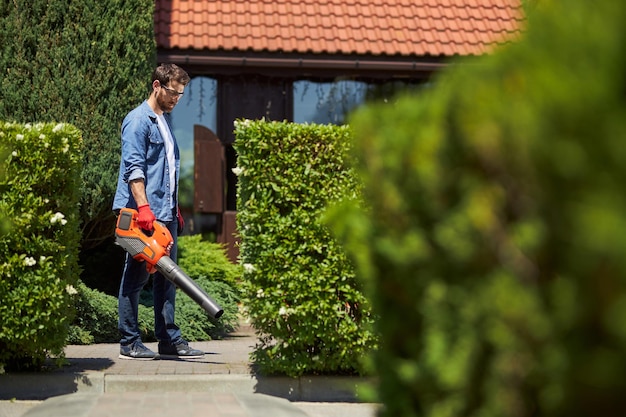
(300, 289)
(82, 62)
(39, 193)
(494, 222)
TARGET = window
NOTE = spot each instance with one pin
(328, 102)
(197, 107)
(331, 102)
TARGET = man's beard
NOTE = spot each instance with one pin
(165, 105)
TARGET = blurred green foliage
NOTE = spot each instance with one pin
(85, 62)
(39, 194)
(492, 237)
(300, 289)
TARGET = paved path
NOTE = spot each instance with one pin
(96, 383)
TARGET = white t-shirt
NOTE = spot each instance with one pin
(169, 150)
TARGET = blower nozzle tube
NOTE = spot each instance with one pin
(172, 272)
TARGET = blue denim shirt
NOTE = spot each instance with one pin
(143, 156)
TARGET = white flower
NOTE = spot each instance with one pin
(259, 293)
(248, 268)
(58, 217)
(284, 311)
(58, 127)
(42, 136)
(237, 171)
(243, 123)
(71, 290)
(19, 136)
(14, 153)
(29, 261)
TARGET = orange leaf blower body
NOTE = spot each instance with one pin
(154, 249)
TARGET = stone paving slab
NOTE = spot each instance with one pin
(97, 383)
(230, 356)
(165, 404)
(312, 409)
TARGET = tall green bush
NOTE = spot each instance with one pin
(299, 287)
(85, 62)
(39, 194)
(496, 225)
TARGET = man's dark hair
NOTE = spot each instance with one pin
(165, 73)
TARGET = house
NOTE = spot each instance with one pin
(267, 58)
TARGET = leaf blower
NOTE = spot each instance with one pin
(154, 249)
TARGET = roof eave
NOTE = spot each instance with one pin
(302, 64)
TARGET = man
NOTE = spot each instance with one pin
(148, 182)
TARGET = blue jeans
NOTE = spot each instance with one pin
(134, 278)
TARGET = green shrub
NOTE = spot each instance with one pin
(97, 317)
(39, 195)
(4, 222)
(496, 223)
(300, 289)
(194, 322)
(205, 262)
(201, 258)
(95, 275)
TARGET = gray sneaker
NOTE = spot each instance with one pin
(180, 350)
(137, 351)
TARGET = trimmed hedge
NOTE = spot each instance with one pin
(39, 195)
(300, 289)
(495, 222)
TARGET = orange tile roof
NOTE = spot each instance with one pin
(363, 27)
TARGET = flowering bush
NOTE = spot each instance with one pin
(39, 251)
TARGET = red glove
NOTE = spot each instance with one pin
(145, 218)
(181, 221)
